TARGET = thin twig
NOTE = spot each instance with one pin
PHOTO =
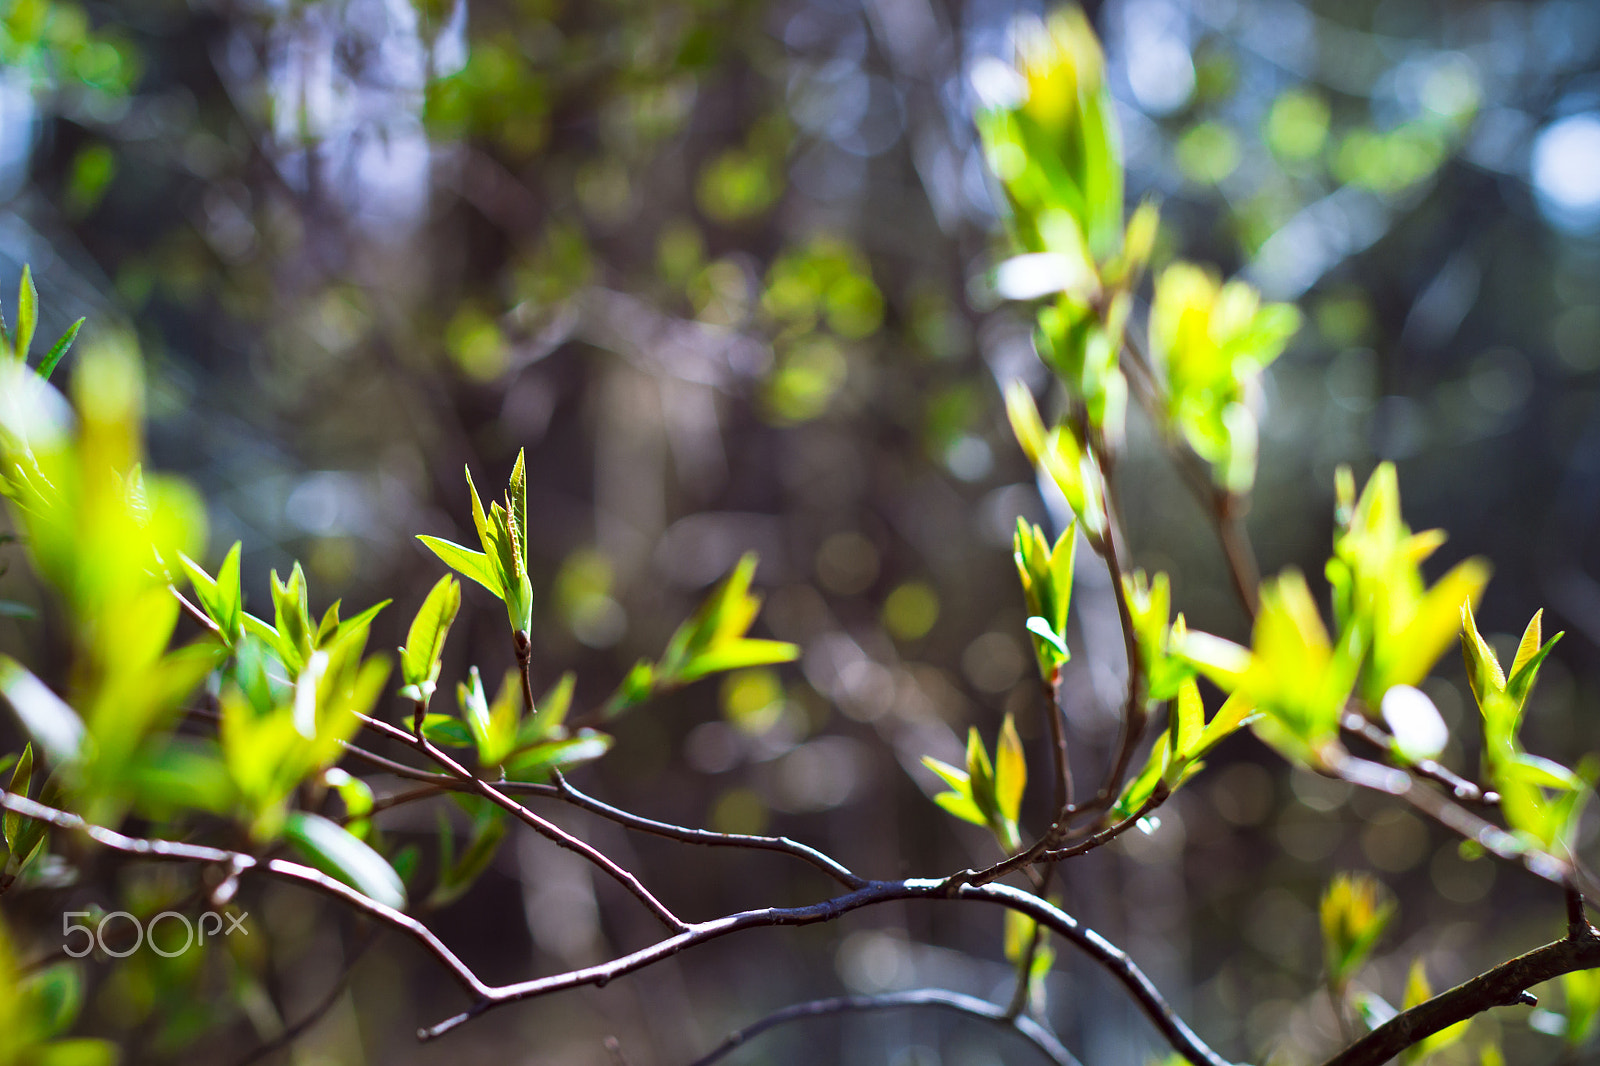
(1353, 721)
(1396, 782)
(1025, 1027)
(1062, 780)
(485, 997)
(833, 869)
(543, 826)
(241, 863)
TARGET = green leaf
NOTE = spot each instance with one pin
(500, 738)
(1188, 719)
(958, 801)
(1532, 640)
(446, 730)
(56, 727)
(1545, 773)
(1010, 771)
(27, 313)
(637, 686)
(1483, 668)
(419, 659)
(292, 619)
(21, 778)
(1435, 624)
(474, 707)
(47, 365)
(466, 562)
(980, 773)
(536, 762)
(54, 997)
(517, 504)
(1523, 676)
(335, 852)
(1419, 991)
(738, 654)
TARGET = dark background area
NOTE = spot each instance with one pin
(720, 266)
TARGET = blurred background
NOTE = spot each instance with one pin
(721, 267)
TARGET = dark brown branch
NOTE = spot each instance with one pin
(1504, 986)
(241, 863)
(938, 998)
(1133, 712)
(543, 826)
(686, 835)
(1112, 958)
(485, 997)
(1062, 781)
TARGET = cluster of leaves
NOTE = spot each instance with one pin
(1390, 629)
(1354, 913)
(988, 792)
(287, 694)
(1051, 140)
(1542, 799)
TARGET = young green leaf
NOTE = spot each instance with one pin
(1355, 910)
(47, 365)
(419, 659)
(535, 762)
(737, 655)
(1010, 771)
(21, 778)
(457, 876)
(335, 852)
(27, 313)
(54, 996)
(466, 562)
(957, 801)
(445, 730)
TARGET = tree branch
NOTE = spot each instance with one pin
(833, 869)
(544, 827)
(1025, 1027)
(241, 863)
(1504, 986)
(485, 997)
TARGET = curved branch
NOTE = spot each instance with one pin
(706, 837)
(241, 863)
(485, 997)
(543, 826)
(1112, 958)
(1504, 986)
(939, 998)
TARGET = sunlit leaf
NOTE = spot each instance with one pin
(47, 365)
(335, 852)
(1010, 771)
(466, 562)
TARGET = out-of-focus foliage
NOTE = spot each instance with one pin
(722, 270)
